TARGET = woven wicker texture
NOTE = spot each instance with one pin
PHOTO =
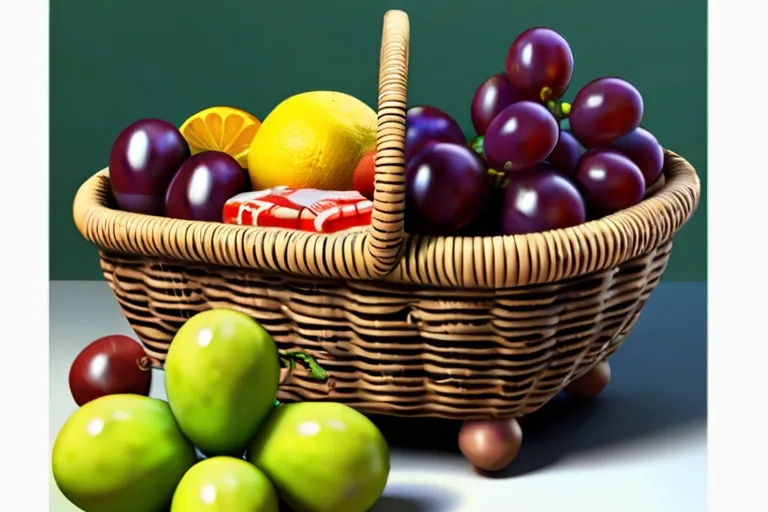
(455, 327)
(394, 349)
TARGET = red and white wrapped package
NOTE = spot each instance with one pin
(318, 211)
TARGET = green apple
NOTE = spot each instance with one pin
(121, 453)
(221, 377)
(224, 484)
(322, 457)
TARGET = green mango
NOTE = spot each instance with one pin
(225, 484)
(221, 376)
(322, 457)
(121, 453)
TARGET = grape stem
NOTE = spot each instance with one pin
(498, 179)
(561, 110)
(290, 358)
(144, 364)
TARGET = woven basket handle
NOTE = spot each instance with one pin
(385, 236)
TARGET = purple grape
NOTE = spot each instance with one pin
(644, 150)
(540, 64)
(521, 136)
(493, 96)
(429, 124)
(604, 110)
(539, 199)
(609, 181)
(144, 158)
(565, 156)
(202, 185)
(447, 187)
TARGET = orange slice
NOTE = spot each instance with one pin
(225, 129)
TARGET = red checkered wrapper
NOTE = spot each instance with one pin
(319, 211)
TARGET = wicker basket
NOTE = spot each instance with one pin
(452, 327)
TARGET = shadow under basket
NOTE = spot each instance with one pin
(452, 327)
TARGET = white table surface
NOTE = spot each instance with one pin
(641, 447)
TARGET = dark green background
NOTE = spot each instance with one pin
(113, 62)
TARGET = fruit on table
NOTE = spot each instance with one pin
(225, 129)
(312, 140)
(609, 181)
(644, 150)
(121, 453)
(110, 365)
(490, 445)
(144, 158)
(365, 175)
(221, 377)
(539, 64)
(604, 110)
(520, 136)
(565, 157)
(202, 185)
(539, 199)
(426, 125)
(446, 186)
(322, 457)
(224, 484)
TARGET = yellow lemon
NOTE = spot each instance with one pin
(312, 140)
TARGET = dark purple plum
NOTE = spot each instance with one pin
(609, 181)
(493, 96)
(565, 156)
(539, 199)
(540, 64)
(446, 186)
(144, 158)
(428, 124)
(202, 185)
(521, 136)
(644, 150)
(604, 110)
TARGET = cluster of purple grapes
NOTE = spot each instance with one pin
(523, 173)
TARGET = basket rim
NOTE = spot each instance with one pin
(443, 261)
